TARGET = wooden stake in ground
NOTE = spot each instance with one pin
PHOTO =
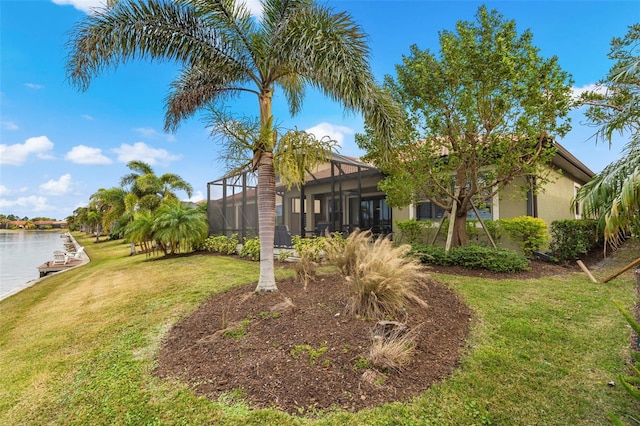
(586, 271)
(626, 268)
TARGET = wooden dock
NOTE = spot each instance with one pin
(49, 267)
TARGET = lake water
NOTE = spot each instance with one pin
(21, 252)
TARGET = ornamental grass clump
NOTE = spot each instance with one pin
(382, 279)
(393, 352)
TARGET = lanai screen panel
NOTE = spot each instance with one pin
(233, 207)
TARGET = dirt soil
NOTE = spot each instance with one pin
(298, 351)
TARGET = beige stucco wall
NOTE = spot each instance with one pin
(555, 202)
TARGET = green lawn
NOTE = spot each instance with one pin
(78, 348)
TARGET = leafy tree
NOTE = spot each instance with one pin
(613, 196)
(480, 114)
(226, 53)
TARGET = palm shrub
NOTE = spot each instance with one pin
(179, 227)
(382, 279)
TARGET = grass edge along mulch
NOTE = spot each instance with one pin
(79, 348)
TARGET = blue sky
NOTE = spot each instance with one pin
(59, 145)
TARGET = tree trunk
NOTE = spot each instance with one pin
(460, 231)
(266, 221)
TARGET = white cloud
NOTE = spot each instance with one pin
(335, 132)
(87, 155)
(254, 7)
(62, 186)
(87, 117)
(32, 203)
(17, 154)
(83, 5)
(4, 191)
(146, 132)
(34, 86)
(196, 197)
(150, 133)
(9, 125)
(142, 152)
(577, 91)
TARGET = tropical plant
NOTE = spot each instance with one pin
(117, 207)
(613, 195)
(225, 53)
(140, 230)
(481, 114)
(381, 278)
(150, 190)
(179, 228)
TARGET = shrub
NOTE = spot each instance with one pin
(311, 248)
(431, 254)
(381, 277)
(571, 238)
(413, 231)
(251, 248)
(530, 233)
(494, 260)
(494, 228)
(473, 257)
(222, 244)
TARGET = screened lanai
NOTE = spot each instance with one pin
(339, 195)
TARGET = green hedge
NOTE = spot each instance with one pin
(474, 257)
(572, 238)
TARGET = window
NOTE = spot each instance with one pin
(577, 207)
(428, 211)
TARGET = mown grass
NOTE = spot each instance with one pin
(79, 348)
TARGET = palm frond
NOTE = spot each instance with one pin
(128, 30)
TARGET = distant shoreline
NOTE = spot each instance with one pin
(31, 283)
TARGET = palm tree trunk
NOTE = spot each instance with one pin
(266, 221)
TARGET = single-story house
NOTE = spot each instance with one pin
(342, 194)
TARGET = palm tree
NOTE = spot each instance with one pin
(179, 227)
(226, 52)
(112, 203)
(140, 230)
(150, 189)
(613, 196)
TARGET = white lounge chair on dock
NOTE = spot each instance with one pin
(76, 254)
(60, 258)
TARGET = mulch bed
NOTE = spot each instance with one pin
(266, 350)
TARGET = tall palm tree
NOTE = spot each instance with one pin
(151, 189)
(613, 196)
(226, 52)
(111, 202)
